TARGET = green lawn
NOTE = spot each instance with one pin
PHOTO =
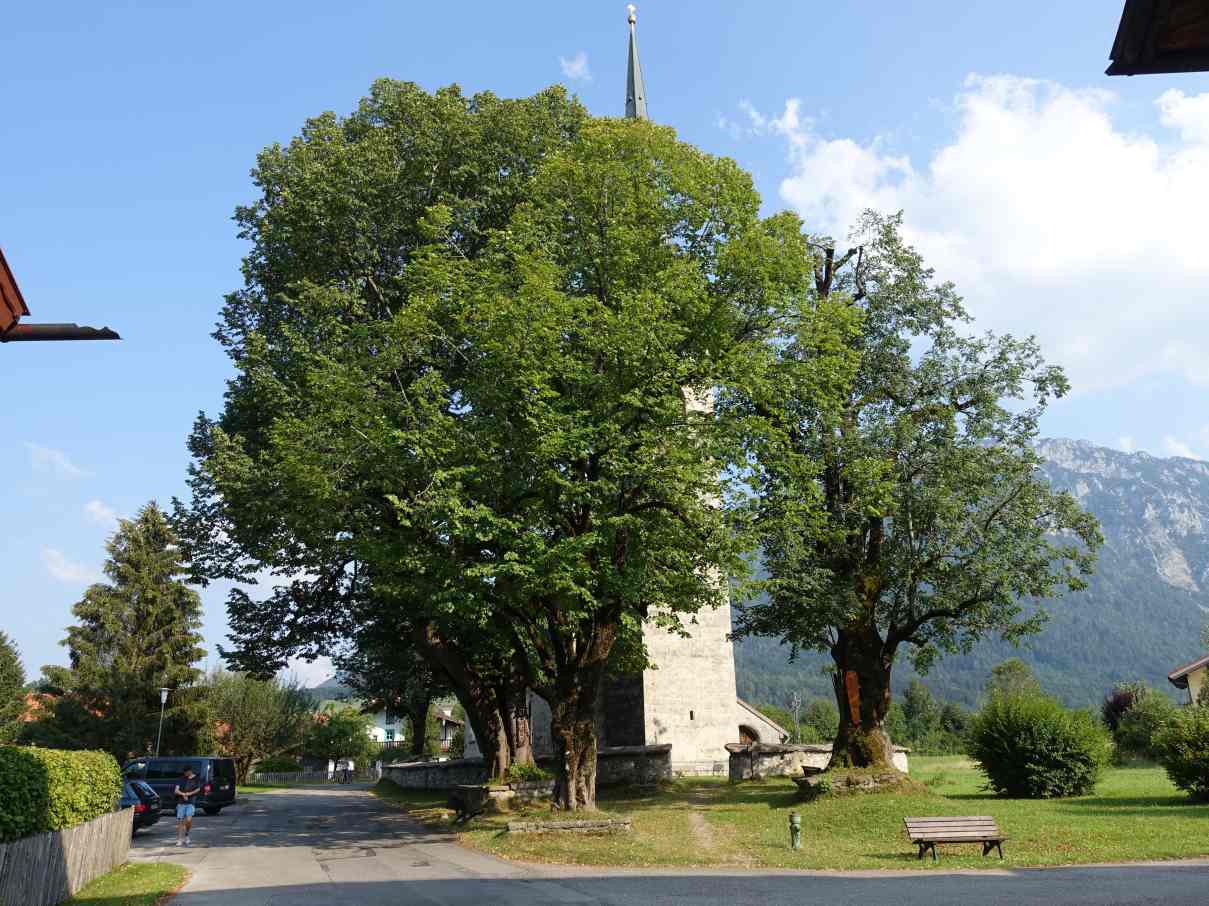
(1135, 813)
(143, 884)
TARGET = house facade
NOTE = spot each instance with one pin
(1190, 677)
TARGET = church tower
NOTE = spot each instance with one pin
(688, 698)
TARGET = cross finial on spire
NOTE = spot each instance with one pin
(635, 90)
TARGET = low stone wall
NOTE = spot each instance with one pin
(49, 868)
(642, 765)
(759, 759)
(436, 775)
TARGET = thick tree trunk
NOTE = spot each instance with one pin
(477, 698)
(573, 726)
(862, 692)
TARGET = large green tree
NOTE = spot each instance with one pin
(505, 431)
(911, 514)
(136, 633)
(338, 732)
(345, 210)
(254, 719)
(12, 689)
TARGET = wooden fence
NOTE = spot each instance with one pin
(288, 777)
(46, 869)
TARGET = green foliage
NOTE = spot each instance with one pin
(908, 512)
(337, 733)
(12, 689)
(136, 633)
(1012, 677)
(1029, 746)
(44, 790)
(464, 349)
(1183, 750)
(527, 773)
(256, 718)
(277, 764)
(1141, 725)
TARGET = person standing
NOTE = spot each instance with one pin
(185, 790)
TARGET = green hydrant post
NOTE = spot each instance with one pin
(795, 830)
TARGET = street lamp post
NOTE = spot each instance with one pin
(159, 733)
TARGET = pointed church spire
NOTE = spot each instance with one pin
(635, 90)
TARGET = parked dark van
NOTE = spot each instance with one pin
(144, 800)
(217, 777)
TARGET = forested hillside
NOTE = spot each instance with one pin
(1139, 617)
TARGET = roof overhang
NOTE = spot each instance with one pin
(13, 309)
(1157, 36)
(1179, 676)
(12, 304)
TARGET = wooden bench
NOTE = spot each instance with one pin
(927, 832)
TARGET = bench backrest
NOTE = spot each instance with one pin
(952, 829)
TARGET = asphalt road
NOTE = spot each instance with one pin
(328, 846)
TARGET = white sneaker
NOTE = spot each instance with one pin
(187, 843)
(178, 842)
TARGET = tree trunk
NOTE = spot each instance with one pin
(476, 697)
(573, 726)
(417, 716)
(862, 692)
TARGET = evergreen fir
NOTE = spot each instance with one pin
(136, 633)
(12, 689)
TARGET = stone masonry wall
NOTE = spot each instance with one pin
(760, 760)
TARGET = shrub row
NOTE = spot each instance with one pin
(46, 789)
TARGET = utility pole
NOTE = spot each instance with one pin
(159, 733)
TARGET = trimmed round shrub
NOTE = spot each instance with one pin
(1183, 749)
(1030, 747)
(46, 789)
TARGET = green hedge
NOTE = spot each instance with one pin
(1030, 747)
(1183, 748)
(47, 789)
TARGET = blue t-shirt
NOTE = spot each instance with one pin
(187, 785)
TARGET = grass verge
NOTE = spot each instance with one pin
(1134, 814)
(142, 884)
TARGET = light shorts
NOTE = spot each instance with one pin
(184, 810)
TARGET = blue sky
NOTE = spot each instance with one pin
(1061, 202)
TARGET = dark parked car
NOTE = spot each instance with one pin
(217, 776)
(144, 800)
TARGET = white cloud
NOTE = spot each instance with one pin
(1173, 446)
(576, 68)
(52, 461)
(64, 570)
(1049, 217)
(100, 514)
(1126, 444)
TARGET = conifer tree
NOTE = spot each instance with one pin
(134, 634)
(12, 689)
